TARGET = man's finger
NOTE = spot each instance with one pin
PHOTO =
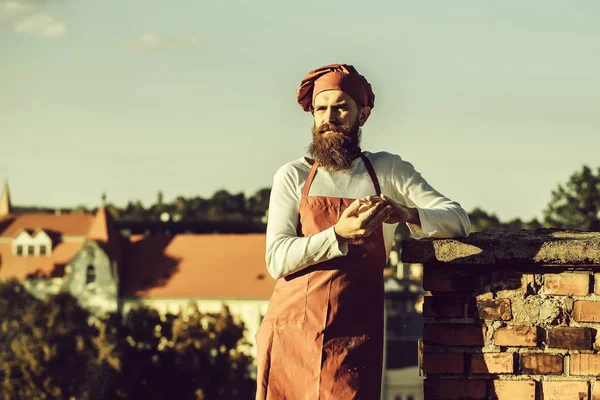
(377, 220)
(369, 213)
(352, 207)
(379, 217)
(372, 199)
(372, 213)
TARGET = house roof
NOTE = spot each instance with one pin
(219, 266)
(50, 266)
(207, 266)
(103, 231)
(65, 224)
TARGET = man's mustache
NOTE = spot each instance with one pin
(329, 127)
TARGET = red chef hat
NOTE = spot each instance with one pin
(342, 77)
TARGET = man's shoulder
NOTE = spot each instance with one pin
(386, 161)
(383, 157)
(380, 155)
(293, 168)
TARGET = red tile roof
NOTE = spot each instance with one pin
(215, 266)
(65, 224)
(103, 231)
(22, 267)
(51, 265)
(201, 266)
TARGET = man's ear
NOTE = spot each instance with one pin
(363, 115)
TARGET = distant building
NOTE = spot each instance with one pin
(85, 255)
(404, 384)
(169, 272)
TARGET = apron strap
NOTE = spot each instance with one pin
(372, 174)
(309, 180)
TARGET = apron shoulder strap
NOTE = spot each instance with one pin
(372, 174)
(309, 180)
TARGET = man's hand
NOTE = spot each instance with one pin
(362, 217)
(401, 213)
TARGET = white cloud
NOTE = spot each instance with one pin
(43, 25)
(13, 8)
(158, 42)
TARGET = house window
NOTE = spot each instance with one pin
(30, 250)
(19, 250)
(42, 250)
(90, 275)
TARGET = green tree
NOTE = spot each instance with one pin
(135, 210)
(46, 345)
(258, 203)
(482, 221)
(576, 204)
(189, 355)
(227, 206)
(54, 350)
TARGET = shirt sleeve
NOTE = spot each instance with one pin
(440, 217)
(287, 252)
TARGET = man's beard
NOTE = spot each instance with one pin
(336, 150)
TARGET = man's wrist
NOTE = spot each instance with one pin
(414, 216)
(338, 237)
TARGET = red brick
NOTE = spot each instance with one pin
(585, 364)
(565, 390)
(514, 390)
(490, 309)
(454, 389)
(454, 334)
(516, 336)
(586, 311)
(567, 284)
(445, 280)
(492, 363)
(443, 363)
(447, 307)
(570, 338)
(596, 286)
(541, 364)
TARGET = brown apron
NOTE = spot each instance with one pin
(322, 335)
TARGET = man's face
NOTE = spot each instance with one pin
(334, 107)
(336, 135)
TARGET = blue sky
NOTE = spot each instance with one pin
(494, 103)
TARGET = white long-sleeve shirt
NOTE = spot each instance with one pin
(286, 252)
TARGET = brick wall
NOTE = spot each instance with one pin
(511, 316)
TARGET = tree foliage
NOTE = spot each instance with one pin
(482, 221)
(222, 206)
(52, 349)
(46, 345)
(576, 204)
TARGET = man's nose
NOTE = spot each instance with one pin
(329, 116)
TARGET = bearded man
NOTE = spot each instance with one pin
(330, 229)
